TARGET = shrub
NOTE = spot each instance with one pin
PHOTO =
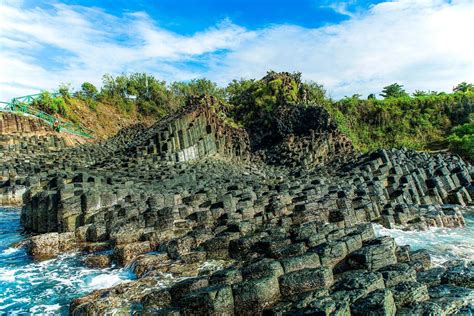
(51, 105)
(461, 140)
(89, 91)
(64, 90)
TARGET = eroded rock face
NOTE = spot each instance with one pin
(290, 228)
(43, 246)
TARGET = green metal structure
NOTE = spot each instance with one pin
(22, 105)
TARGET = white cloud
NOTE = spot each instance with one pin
(423, 44)
(341, 7)
(81, 44)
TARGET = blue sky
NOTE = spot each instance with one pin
(349, 46)
(187, 17)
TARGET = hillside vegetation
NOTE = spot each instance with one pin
(420, 122)
(423, 121)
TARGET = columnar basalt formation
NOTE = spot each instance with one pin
(23, 138)
(300, 136)
(11, 123)
(287, 225)
(194, 133)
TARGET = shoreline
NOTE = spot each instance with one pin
(130, 282)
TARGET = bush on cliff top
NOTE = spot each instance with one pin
(462, 140)
(413, 122)
(50, 104)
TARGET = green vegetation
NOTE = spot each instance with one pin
(421, 121)
(50, 104)
(151, 97)
(464, 87)
(256, 101)
(415, 122)
(462, 140)
(393, 91)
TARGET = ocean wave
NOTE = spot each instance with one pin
(443, 243)
(46, 287)
(102, 281)
(10, 251)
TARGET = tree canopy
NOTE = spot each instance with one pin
(464, 87)
(394, 90)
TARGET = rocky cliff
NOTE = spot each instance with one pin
(22, 138)
(282, 219)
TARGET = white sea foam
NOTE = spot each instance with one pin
(443, 243)
(45, 309)
(51, 284)
(10, 251)
(7, 275)
(102, 281)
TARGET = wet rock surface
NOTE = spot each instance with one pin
(291, 231)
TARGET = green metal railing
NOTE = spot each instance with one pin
(23, 105)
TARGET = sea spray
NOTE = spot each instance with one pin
(47, 287)
(443, 243)
(44, 287)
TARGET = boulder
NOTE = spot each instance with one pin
(451, 298)
(261, 269)
(460, 274)
(253, 296)
(307, 261)
(360, 280)
(42, 247)
(420, 260)
(124, 254)
(396, 273)
(182, 288)
(98, 261)
(421, 308)
(431, 277)
(305, 280)
(227, 276)
(148, 262)
(376, 303)
(409, 292)
(214, 300)
(375, 254)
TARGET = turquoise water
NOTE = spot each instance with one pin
(46, 287)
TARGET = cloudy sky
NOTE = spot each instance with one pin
(349, 46)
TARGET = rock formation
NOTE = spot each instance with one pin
(286, 220)
(22, 138)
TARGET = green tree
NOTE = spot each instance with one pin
(464, 87)
(65, 90)
(313, 93)
(197, 87)
(394, 90)
(181, 91)
(420, 93)
(88, 90)
(461, 140)
(240, 92)
(371, 96)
